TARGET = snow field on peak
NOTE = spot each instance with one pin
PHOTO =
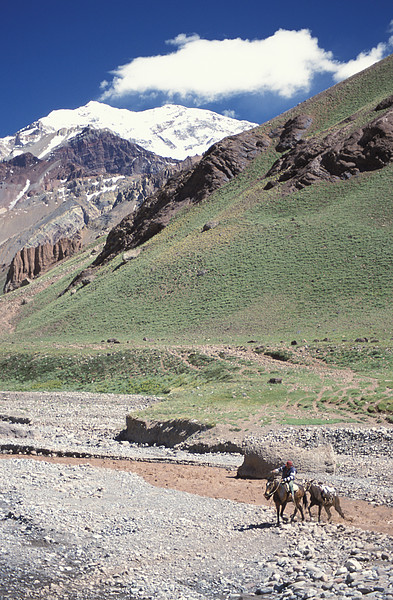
(171, 130)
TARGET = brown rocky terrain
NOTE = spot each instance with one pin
(340, 155)
(218, 482)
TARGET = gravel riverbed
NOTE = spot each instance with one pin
(81, 532)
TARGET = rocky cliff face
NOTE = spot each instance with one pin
(96, 152)
(29, 263)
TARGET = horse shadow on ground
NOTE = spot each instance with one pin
(255, 526)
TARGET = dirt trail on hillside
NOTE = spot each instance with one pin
(217, 482)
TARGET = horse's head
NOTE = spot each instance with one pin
(307, 484)
(271, 487)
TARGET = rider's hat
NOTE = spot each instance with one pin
(289, 463)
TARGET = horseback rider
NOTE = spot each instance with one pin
(288, 473)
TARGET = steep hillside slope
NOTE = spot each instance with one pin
(264, 256)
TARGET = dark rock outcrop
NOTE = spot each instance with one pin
(385, 103)
(223, 161)
(293, 132)
(338, 156)
(29, 263)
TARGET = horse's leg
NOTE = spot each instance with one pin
(338, 507)
(278, 513)
(283, 505)
(299, 506)
(319, 512)
(329, 514)
(296, 508)
(309, 508)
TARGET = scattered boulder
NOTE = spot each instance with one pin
(131, 254)
(260, 458)
(386, 103)
(275, 380)
(210, 225)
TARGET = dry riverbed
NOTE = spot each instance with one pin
(139, 523)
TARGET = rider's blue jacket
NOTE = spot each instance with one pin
(288, 473)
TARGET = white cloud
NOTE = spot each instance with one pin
(208, 70)
(362, 61)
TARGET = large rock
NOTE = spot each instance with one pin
(8, 430)
(261, 458)
(293, 131)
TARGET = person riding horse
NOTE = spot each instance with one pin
(288, 473)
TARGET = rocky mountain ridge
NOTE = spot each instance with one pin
(340, 154)
(172, 131)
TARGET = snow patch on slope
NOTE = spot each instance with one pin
(20, 195)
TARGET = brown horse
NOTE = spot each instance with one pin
(281, 496)
(321, 495)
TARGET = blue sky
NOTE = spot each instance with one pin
(250, 59)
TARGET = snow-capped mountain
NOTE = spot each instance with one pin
(170, 131)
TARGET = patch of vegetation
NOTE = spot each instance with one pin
(360, 357)
(197, 359)
(313, 421)
(282, 355)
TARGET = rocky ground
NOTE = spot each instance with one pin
(72, 529)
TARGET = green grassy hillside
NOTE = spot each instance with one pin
(311, 265)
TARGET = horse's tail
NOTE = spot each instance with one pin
(305, 502)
